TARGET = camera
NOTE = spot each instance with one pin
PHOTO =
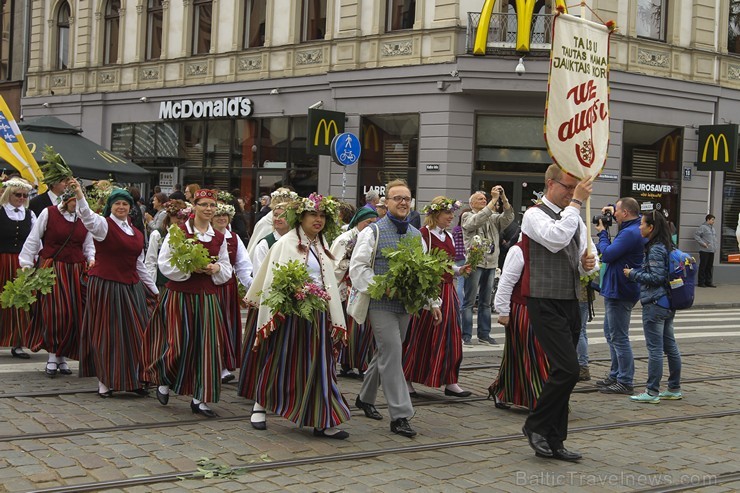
(607, 219)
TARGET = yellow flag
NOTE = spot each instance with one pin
(14, 150)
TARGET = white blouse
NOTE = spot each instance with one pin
(260, 252)
(173, 273)
(242, 267)
(34, 243)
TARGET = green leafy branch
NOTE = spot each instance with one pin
(187, 254)
(55, 170)
(22, 291)
(293, 292)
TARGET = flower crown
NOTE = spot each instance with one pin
(18, 183)
(174, 206)
(313, 203)
(283, 196)
(185, 213)
(225, 196)
(450, 205)
(224, 210)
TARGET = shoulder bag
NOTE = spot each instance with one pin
(359, 302)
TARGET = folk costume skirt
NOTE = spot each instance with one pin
(292, 373)
(112, 332)
(56, 318)
(432, 353)
(360, 345)
(228, 300)
(13, 321)
(183, 344)
(524, 368)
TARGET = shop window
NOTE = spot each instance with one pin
(401, 15)
(155, 17)
(62, 38)
(122, 139)
(167, 140)
(202, 25)
(313, 20)
(730, 215)
(733, 27)
(651, 167)
(390, 150)
(511, 144)
(6, 35)
(112, 25)
(274, 142)
(651, 19)
(254, 23)
(191, 148)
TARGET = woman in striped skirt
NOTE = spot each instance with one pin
(61, 241)
(184, 338)
(360, 341)
(432, 353)
(16, 221)
(291, 368)
(524, 366)
(228, 293)
(116, 310)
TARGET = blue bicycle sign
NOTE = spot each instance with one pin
(346, 149)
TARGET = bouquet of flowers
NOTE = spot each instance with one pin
(187, 254)
(21, 292)
(413, 277)
(293, 292)
(479, 247)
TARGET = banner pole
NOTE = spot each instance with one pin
(583, 9)
(588, 225)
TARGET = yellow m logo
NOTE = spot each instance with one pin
(371, 130)
(111, 158)
(671, 143)
(715, 140)
(327, 126)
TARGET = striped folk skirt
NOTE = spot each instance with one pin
(524, 366)
(432, 353)
(292, 373)
(228, 300)
(183, 344)
(112, 333)
(360, 345)
(56, 318)
(13, 321)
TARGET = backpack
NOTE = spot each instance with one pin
(681, 279)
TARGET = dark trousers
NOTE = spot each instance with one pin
(706, 268)
(557, 325)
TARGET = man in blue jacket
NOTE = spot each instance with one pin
(620, 295)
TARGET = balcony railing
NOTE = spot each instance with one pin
(502, 32)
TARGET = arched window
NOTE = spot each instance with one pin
(112, 23)
(154, 30)
(62, 62)
(254, 23)
(202, 25)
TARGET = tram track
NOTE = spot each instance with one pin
(246, 468)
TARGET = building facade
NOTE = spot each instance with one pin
(14, 19)
(218, 91)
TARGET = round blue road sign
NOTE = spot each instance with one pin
(345, 149)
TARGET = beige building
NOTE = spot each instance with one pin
(139, 76)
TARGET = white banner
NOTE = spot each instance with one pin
(577, 110)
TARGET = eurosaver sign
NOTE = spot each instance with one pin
(215, 108)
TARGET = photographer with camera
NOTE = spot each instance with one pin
(620, 296)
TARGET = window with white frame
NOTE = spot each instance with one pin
(202, 25)
(254, 23)
(313, 26)
(733, 27)
(401, 15)
(651, 19)
(112, 25)
(154, 20)
(62, 37)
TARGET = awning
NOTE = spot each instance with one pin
(86, 158)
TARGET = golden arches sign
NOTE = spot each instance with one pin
(671, 144)
(328, 135)
(717, 149)
(110, 157)
(716, 141)
(371, 130)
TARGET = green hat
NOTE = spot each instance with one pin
(116, 195)
(362, 214)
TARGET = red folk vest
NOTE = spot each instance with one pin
(58, 229)
(199, 283)
(115, 256)
(447, 246)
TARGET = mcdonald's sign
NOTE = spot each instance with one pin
(717, 149)
(669, 149)
(322, 127)
(110, 157)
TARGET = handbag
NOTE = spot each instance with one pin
(357, 301)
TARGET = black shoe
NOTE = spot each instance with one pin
(607, 381)
(537, 442)
(141, 392)
(401, 427)
(163, 398)
(452, 393)
(711, 285)
(339, 435)
(414, 395)
(105, 395)
(259, 425)
(228, 378)
(348, 373)
(496, 402)
(64, 369)
(51, 371)
(368, 409)
(618, 388)
(17, 352)
(565, 454)
(205, 412)
(701, 285)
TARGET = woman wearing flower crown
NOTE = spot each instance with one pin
(60, 240)
(432, 353)
(228, 294)
(178, 211)
(185, 335)
(116, 308)
(291, 368)
(264, 226)
(16, 221)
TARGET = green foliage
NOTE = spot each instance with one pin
(187, 254)
(479, 246)
(21, 292)
(413, 277)
(293, 292)
(55, 169)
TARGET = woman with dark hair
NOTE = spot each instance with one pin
(138, 210)
(657, 316)
(158, 204)
(290, 369)
(116, 309)
(60, 240)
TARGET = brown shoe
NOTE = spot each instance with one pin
(584, 374)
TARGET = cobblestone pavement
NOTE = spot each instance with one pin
(127, 436)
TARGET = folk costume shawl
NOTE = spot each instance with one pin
(285, 250)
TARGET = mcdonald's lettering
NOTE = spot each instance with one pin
(715, 141)
(670, 143)
(717, 150)
(327, 126)
(111, 158)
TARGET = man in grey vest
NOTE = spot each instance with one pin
(555, 243)
(387, 317)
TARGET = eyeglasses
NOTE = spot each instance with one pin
(399, 198)
(569, 188)
(206, 206)
(20, 195)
